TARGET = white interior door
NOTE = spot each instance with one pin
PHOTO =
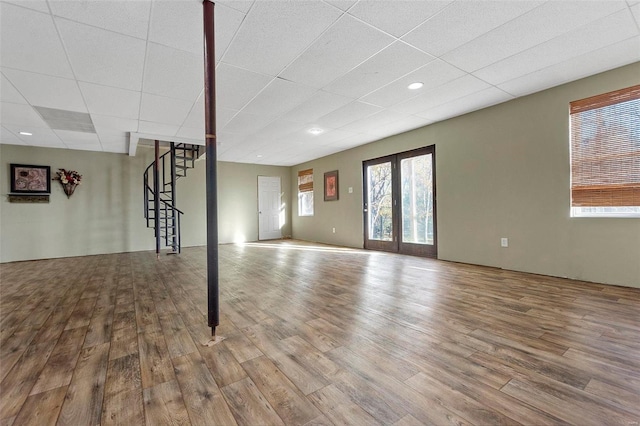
(270, 210)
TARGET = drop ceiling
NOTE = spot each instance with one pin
(284, 67)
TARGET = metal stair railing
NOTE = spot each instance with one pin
(180, 157)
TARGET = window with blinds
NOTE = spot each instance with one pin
(605, 154)
(305, 192)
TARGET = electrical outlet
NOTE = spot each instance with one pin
(351, 190)
(504, 242)
(334, 230)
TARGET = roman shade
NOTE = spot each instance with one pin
(305, 180)
(605, 149)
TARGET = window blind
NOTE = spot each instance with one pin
(305, 180)
(605, 149)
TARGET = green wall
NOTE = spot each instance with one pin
(105, 215)
(501, 172)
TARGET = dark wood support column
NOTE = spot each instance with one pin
(211, 171)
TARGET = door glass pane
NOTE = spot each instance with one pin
(417, 199)
(379, 215)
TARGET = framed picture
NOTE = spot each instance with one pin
(28, 179)
(331, 186)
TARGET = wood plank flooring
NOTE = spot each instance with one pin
(313, 335)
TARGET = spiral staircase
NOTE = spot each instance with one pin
(160, 209)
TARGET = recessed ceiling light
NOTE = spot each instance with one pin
(416, 85)
(26, 133)
(315, 131)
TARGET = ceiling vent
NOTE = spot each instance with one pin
(59, 119)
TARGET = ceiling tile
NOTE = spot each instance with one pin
(307, 155)
(319, 104)
(23, 30)
(196, 117)
(79, 140)
(227, 21)
(173, 73)
(47, 91)
(247, 124)
(107, 124)
(277, 130)
(370, 123)
(612, 29)
(124, 17)
(21, 115)
(543, 23)
(107, 135)
(601, 60)
(71, 138)
(352, 141)
(337, 69)
(383, 68)
(434, 74)
(636, 13)
(93, 146)
(39, 5)
(400, 126)
(442, 94)
(235, 86)
(9, 137)
(106, 100)
(191, 133)
(278, 97)
(121, 140)
(332, 136)
(347, 114)
(270, 24)
(345, 45)
(103, 57)
(342, 4)
(462, 21)
(223, 116)
(159, 129)
(164, 110)
(227, 140)
(397, 17)
(9, 94)
(466, 104)
(40, 137)
(177, 24)
(239, 5)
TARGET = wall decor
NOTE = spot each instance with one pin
(69, 179)
(331, 186)
(30, 179)
(26, 198)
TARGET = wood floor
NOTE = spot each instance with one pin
(313, 335)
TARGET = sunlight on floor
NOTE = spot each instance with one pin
(287, 246)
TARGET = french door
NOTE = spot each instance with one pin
(400, 203)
